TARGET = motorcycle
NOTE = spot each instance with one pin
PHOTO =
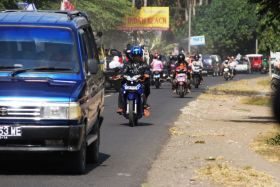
(156, 79)
(228, 73)
(197, 76)
(112, 80)
(165, 75)
(181, 84)
(264, 70)
(172, 70)
(133, 103)
(275, 82)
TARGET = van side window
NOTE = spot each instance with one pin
(84, 49)
(93, 44)
(88, 45)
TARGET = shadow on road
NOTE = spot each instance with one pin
(185, 97)
(262, 117)
(40, 164)
(140, 124)
(257, 121)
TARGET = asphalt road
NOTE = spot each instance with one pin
(126, 153)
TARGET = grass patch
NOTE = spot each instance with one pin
(265, 82)
(243, 87)
(268, 145)
(274, 141)
(227, 175)
(258, 100)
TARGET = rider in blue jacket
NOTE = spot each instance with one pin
(136, 66)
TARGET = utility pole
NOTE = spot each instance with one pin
(134, 33)
(257, 46)
(190, 25)
(145, 2)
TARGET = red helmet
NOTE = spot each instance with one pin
(156, 56)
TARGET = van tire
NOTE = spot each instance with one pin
(93, 149)
(77, 160)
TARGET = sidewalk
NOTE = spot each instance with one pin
(210, 143)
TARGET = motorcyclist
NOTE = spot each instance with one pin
(157, 64)
(115, 63)
(136, 66)
(226, 64)
(232, 65)
(265, 63)
(127, 51)
(197, 62)
(181, 66)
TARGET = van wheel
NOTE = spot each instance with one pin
(77, 160)
(93, 149)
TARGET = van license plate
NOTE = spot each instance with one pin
(10, 131)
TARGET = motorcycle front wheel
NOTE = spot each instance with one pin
(181, 91)
(157, 83)
(226, 78)
(131, 116)
(196, 82)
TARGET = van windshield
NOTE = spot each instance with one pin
(31, 47)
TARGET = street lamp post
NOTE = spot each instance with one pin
(190, 25)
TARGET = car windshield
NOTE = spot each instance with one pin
(32, 47)
(207, 60)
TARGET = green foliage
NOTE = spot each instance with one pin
(105, 14)
(269, 24)
(274, 141)
(268, 8)
(229, 28)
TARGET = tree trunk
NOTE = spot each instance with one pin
(186, 14)
(179, 4)
(194, 6)
(145, 2)
(200, 2)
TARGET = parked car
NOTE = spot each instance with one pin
(212, 65)
(243, 66)
(52, 94)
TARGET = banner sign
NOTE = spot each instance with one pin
(197, 40)
(147, 18)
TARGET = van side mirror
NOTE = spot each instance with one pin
(93, 66)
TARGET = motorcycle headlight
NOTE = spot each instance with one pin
(70, 111)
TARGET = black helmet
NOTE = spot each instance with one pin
(181, 57)
(196, 57)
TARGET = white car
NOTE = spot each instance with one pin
(242, 66)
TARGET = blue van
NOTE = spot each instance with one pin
(51, 86)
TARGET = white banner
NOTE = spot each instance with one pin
(197, 40)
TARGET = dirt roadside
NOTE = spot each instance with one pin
(210, 143)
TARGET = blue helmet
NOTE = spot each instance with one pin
(136, 51)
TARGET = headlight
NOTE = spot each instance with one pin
(70, 111)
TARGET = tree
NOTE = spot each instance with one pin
(229, 28)
(105, 15)
(269, 24)
(268, 8)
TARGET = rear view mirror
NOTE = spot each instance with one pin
(93, 66)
